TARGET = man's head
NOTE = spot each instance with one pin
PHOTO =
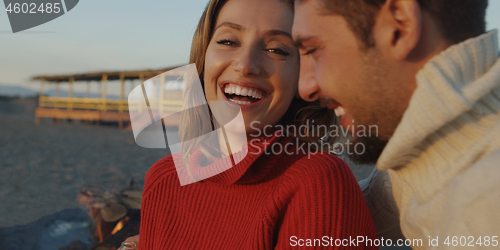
(364, 54)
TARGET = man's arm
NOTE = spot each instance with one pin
(471, 205)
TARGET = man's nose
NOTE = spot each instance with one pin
(308, 86)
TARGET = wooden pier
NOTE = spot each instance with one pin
(102, 109)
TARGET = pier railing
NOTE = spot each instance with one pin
(93, 104)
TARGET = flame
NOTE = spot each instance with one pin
(119, 225)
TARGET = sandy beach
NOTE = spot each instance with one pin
(42, 167)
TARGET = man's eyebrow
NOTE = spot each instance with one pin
(231, 25)
(278, 33)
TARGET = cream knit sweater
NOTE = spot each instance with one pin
(444, 157)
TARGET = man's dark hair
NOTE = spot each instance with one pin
(458, 20)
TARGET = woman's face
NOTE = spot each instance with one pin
(252, 61)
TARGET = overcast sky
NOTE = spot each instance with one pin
(100, 35)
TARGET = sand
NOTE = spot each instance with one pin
(42, 167)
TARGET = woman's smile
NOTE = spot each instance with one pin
(246, 94)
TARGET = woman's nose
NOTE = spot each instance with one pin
(248, 62)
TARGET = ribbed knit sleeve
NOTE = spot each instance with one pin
(327, 206)
(154, 205)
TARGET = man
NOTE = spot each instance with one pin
(423, 78)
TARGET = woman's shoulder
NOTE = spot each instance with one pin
(162, 170)
(320, 170)
(320, 164)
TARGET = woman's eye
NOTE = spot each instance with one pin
(226, 42)
(278, 51)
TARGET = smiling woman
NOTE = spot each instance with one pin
(247, 59)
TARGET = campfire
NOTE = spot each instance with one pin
(115, 215)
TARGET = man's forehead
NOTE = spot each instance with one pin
(315, 4)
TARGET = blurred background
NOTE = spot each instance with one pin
(50, 168)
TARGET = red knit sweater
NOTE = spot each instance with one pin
(264, 202)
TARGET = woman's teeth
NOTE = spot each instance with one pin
(240, 102)
(242, 95)
(233, 89)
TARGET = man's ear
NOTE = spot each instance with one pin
(398, 28)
